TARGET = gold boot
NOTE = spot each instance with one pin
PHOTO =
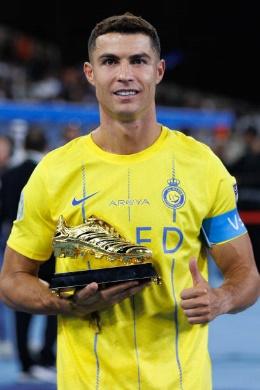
(97, 238)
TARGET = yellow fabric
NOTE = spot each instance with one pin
(145, 342)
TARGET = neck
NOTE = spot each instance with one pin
(119, 137)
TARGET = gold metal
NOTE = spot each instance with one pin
(123, 260)
(98, 238)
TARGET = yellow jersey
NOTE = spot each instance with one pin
(165, 197)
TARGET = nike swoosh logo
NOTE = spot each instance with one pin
(76, 202)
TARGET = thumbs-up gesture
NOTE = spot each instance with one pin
(200, 302)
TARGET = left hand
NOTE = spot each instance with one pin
(201, 302)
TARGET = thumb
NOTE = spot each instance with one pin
(195, 272)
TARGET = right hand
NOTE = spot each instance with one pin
(90, 299)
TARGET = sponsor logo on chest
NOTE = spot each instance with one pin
(129, 202)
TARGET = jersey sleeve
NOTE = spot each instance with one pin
(222, 222)
(33, 229)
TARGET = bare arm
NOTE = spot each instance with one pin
(21, 289)
(241, 286)
(240, 289)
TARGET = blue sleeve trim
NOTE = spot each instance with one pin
(223, 227)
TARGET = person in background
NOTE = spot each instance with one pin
(247, 173)
(69, 132)
(246, 170)
(157, 188)
(6, 149)
(13, 180)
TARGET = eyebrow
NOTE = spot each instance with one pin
(131, 57)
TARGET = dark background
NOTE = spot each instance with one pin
(217, 45)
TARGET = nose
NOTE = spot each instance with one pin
(125, 73)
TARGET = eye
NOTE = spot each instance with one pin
(109, 61)
(138, 60)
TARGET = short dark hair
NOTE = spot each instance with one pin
(35, 140)
(124, 24)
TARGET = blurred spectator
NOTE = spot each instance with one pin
(18, 129)
(221, 136)
(247, 172)
(6, 150)
(48, 88)
(6, 147)
(13, 181)
(74, 85)
(69, 132)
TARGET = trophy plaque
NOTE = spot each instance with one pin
(124, 260)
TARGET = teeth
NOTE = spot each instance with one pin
(126, 93)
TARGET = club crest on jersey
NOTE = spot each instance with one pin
(173, 196)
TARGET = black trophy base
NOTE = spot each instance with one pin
(103, 276)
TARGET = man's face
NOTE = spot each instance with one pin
(124, 70)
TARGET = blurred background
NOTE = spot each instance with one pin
(211, 91)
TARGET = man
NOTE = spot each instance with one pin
(157, 188)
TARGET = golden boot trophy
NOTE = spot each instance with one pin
(125, 261)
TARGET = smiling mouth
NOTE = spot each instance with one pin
(126, 92)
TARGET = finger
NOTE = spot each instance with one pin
(101, 300)
(195, 272)
(121, 287)
(86, 292)
(44, 282)
(199, 320)
(196, 302)
(190, 293)
(198, 312)
(120, 296)
(134, 290)
(91, 293)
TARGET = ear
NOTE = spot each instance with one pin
(160, 71)
(88, 70)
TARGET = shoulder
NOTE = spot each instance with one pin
(70, 147)
(65, 154)
(188, 143)
(197, 154)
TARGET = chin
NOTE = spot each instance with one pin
(123, 114)
(127, 116)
